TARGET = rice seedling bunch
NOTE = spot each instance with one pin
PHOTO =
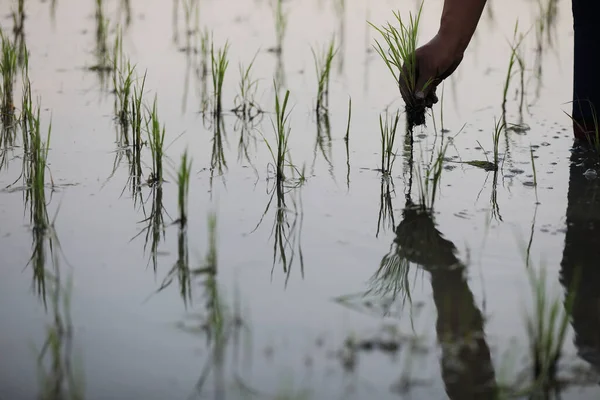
(398, 51)
(388, 129)
(156, 137)
(219, 64)
(323, 70)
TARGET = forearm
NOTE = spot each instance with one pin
(459, 21)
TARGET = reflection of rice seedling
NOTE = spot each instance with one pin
(281, 20)
(323, 71)
(386, 208)
(547, 329)
(388, 136)
(534, 171)
(218, 162)
(400, 58)
(103, 64)
(347, 136)
(156, 137)
(58, 372)
(323, 140)
(181, 268)
(219, 65)
(245, 105)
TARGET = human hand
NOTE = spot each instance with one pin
(435, 61)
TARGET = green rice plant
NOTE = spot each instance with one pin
(347, 136)
(493, 165)
(279, 152)
(515, 58)
(123, 78)
(183, 185)
(429, 179)
(592, 132)
(156, 138)
(547, 329)
(400, 58)
(534, 172)
(8, 69)
(388, 129)
(323, 70)
(136, 113)
(245, 105)
(219, 65)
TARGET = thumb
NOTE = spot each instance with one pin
(423, 83)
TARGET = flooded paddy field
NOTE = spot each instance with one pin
(195, 203)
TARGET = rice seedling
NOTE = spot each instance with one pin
(245, 105)
(493, 165)
(123, 79)
(388, 129)
(347, 136)
(323, 70)
(279, 152)
(183, 184)
(156, 137)
(400, 59)
(547, 329)
(429, 180)
(533, 171)
(219, 65)
(515, 58)
(136, 113)
(8, 69)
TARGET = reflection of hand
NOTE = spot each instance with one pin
(435, 61)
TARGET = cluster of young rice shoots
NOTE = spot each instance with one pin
(245, 104)
(156, 137)
(279, 152)
(219, 64)
(388, 127)
(515, 59)
(8, 69)
(323, 64)
(398, 52)
(123, 79)
(183, 185)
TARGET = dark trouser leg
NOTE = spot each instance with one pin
(586, 68)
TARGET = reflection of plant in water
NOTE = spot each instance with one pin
(59, 378)
(103, 64)
(545, 32)
(154, 224)
(287, 227)
(18, 17)
(181, 269)
(246, 128)
(547, 329)
(219, 323)
(386, 208)
(217, 158)
(323, 140)
(429, 178)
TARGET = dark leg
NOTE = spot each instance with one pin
(586, 68)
